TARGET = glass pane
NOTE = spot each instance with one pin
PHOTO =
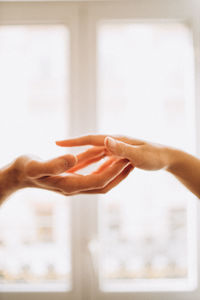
(145, 90)
(34, 224)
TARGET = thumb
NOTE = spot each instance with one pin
(121, 149)
(36, 169)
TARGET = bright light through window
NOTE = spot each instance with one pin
(34, 224)
(145, 90)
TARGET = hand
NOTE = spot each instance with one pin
(141, 154)
(29, 172)
(147, 156)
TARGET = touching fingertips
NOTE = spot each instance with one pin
(110, 143)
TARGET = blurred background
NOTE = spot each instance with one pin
(72, 68)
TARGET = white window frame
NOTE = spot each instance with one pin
(82, 19)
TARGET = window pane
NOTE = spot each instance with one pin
(34, 224)
(145, 90)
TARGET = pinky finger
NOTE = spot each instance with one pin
(106, 164)
(84, 164)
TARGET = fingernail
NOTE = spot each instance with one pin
(111, 143)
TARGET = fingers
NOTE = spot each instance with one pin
(105, 165)
(92, 152)
(100, 180)
(96, 140)
(73, 184)
(122, 149)
(36, 169)
(113, 183)
(84, 164)
(88, 157)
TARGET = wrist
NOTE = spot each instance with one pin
(171, 156)
(11, 180)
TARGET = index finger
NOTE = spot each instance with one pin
(96, 140)
(36, 169)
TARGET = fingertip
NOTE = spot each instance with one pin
(110, 143)
(60, 143)
(130, 167)
(75, 159)
(106, 141)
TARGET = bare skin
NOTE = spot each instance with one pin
(51, 175)
(141, 154)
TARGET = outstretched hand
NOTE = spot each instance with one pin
(51, 175)
(144, 155)
(141, 154)
(55, 174)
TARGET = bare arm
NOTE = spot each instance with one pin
(186, 168)
(8, 182)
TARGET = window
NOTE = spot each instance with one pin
(145, 86)
(72, 68)
(35, 225)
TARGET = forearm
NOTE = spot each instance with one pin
(10, 181)
(186, 168)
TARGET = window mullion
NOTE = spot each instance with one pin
(100, 12)
(83, 121)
